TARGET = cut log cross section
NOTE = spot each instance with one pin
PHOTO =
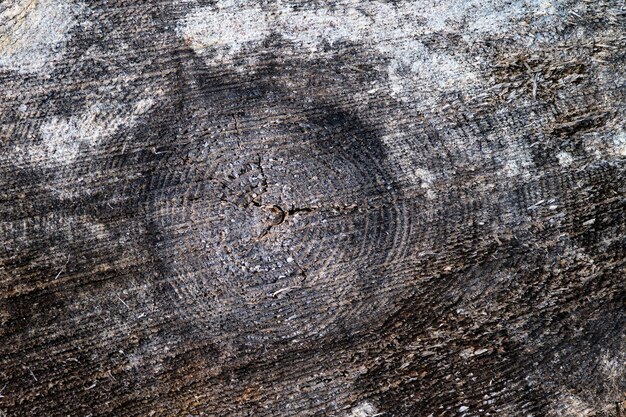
(342, 208)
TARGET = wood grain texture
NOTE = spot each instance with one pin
(299, 208)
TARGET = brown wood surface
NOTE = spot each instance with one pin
(297, 208)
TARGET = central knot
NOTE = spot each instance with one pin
(274, 217)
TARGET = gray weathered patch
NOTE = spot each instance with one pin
(33, 32)
(62, 138)
(365, 409)
(390, 30)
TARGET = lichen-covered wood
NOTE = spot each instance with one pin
(296, 208)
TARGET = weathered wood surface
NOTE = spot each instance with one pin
(355, 208)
